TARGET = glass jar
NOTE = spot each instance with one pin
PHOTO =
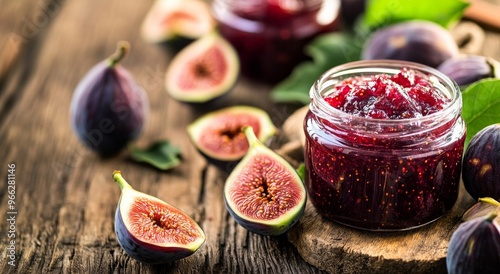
(383, 174)
(269, 35)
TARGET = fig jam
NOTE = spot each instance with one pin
(270, 35)
(384, 144)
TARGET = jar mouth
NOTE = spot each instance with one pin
(440, 81)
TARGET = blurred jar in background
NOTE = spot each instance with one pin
(270, 35)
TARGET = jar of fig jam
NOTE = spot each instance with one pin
(270, 35)
(384, 143)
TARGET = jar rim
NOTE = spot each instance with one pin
(373, 67)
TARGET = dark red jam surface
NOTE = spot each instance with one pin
(384, 184)
(400, 96)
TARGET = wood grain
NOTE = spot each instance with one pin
(66, 197)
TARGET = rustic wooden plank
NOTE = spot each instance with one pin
(65, 194)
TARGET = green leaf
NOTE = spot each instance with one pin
(327, 51)
(296, 87)
(301, 170)
(481, 105)
(160, 154)
(380, 13)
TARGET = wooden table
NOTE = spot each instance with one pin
(65, 197)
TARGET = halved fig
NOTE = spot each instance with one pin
(264, 193)
(218, 137)
(204, 70)
(177, 21)
(151, 230)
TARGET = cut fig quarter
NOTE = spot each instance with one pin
(203, 71)
(151, 230)
(218, 137)
(264, 193)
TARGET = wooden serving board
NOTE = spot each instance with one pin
(339, 249)
(336, 248)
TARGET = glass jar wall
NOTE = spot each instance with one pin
(381, 173)
(270, 35)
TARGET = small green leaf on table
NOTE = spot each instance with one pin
(161, 154)
(481, 106)
(380, 13)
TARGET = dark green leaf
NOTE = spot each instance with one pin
(481, 105)
(327, 51)
(296, 87)
(380, 13)
(160, 154)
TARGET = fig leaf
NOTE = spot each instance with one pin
(327, 51)
(160, 154)
(382, 13)
(481, 101)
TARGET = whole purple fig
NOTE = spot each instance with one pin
(108, 108)
(481, 163)
(475, 247)
(466, 69)
(418, 41)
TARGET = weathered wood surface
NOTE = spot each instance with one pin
(65, 197)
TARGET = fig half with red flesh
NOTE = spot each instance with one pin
(264, 193)
(151, 230)
(203, 71)
(218, 137)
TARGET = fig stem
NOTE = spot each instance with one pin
(117, 176)
(122, 48)
(495, 67)
(250, 134)
(490, 201)
(492, 215)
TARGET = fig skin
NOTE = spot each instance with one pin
(140, 248)
(467, 69)
(108, 109)
(203, 72)
(423, 42)
(226, 123)
(264, 194)
(475, 247)
(481, 164)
